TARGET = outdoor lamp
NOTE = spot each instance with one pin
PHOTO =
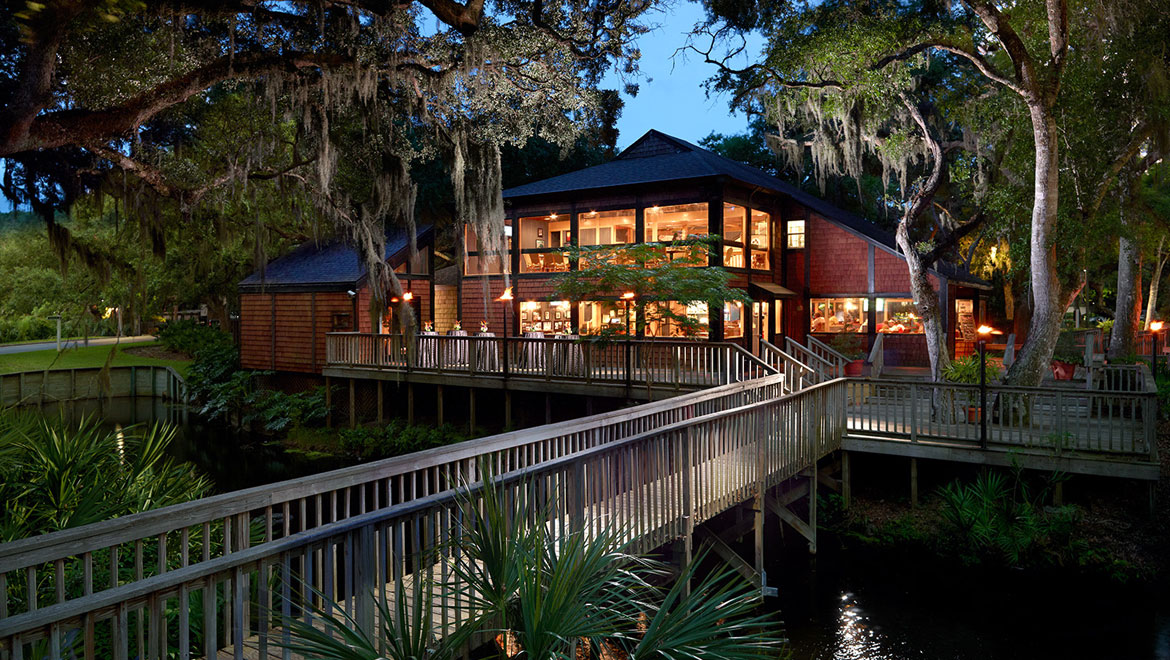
(983, 331)
(408, 296)
(1155, 328)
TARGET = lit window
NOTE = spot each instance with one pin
(897, 316)
(606, 227)
(606, 315)
(547, 317)
(760, 241)
(839, 315)
(674, 319)
(796, 234)
(734, 219)
(485, 264)
(543, 233)
(732, 320)
(677, 223)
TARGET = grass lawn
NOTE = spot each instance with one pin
(92, 356)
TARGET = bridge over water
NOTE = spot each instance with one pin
(210, 578)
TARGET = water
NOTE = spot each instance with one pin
(233, 460)
(847, 605)
(842, 605)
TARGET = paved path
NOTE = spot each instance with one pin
(8, 349)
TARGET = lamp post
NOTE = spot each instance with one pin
(983, 331)
(1155, 328)
(506, 298)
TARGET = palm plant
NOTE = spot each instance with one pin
(543, 592)
(59, 475)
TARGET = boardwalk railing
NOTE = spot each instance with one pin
(50, 386)
(672, 364)
(363, 534)
(56, 569)
(829, 354)
(825, 369)
(877, 356)
(1056, 420)
(797, 375)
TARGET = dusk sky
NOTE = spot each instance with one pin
(671, 96)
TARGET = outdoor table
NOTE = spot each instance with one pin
(534, 352)
(455, 350)
(570, 357)
(428, 349)
(487, 356)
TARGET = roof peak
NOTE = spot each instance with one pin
(655, 143)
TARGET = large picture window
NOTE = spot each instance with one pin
(540, 238)
(606, 227)
(761, 240)
(897, 316)
(677, 223)
(733, 320)
(596, 315)
(839, 314)
(734, 222)
(548, 317)
(662, 324)
(480, 263)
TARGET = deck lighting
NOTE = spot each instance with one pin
(628, 295)
(506, 295)
(552, 216)
(1155, 326)
(408, 296)
(985, 330)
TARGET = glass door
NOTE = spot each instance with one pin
(761, 324)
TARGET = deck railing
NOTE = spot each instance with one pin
(670, 470)
(660, 363)
(60, 568)
(1050, 419)
(829, 354)
(825, 369)
(797, 375)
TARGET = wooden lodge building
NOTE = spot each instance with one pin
(287, 308)
(808, 266)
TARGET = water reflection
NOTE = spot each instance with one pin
(854, 637)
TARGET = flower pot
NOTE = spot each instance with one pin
(972, 414)
(1063, 370)
(854, 368)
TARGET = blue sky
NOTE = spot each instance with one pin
(672, 98)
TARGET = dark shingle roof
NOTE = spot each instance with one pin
(325, 264)
(657, 157)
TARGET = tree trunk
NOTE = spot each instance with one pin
(1127, 313)
(1152, 301)
(1049, 301)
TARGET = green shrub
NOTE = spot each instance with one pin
(190, 337)
(396, 438)
(279, 411)
(1002, 519)
(966, 370)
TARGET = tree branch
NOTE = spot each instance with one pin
(83, 127)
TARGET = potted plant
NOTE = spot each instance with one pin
(966, 370)
(1066, 358)
(852, 346)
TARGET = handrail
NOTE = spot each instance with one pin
(797, 375)
(824, 368)
(664, 364)
(278, 510)
(670, 469)
(1054, 419)
(816, 345)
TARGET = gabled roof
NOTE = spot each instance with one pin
(327, 265)
(657, 157)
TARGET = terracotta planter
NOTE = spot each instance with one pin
(972, 414)
(854, 368)
(1063, 370)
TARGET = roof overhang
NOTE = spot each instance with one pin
(771, 290)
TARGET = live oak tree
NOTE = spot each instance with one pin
(336, 102)
(848, 65)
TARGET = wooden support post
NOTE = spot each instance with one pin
(812, 510)
(846, 479)
(548, 409)
(328, 403)
(380, 402)
(588, 406)
(1058, 494)
(471, 410)
(439, 402)
(914, 482)
(410, 403)
(352, 405)
(758, 537)
(507, 409)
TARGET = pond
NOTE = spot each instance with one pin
(233, 460)
(841, 605)
(872, 605)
